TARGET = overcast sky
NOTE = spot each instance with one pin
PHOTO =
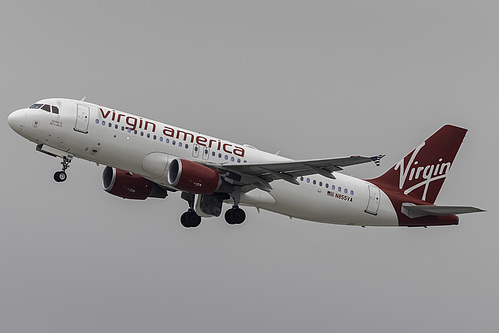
(311, 79)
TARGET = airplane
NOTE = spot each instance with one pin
(145, 158)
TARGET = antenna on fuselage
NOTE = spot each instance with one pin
(83, 99)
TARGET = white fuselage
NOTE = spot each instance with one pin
(121, 140)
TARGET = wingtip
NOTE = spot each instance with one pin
(377, 159)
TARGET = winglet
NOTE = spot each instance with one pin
(377, 159)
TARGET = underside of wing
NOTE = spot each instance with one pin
(261, 174)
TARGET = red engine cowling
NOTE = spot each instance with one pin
(195, 178)
(129, 186)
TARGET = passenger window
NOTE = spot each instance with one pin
(46, 108)
(55, 109)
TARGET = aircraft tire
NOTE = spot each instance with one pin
(190, 220)
(235, 216)
(60, 176)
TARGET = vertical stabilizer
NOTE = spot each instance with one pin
(421, 174)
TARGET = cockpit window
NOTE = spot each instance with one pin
(45, 107)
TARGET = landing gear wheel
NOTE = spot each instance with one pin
(60, 176)
(235, 216)
(190, 219)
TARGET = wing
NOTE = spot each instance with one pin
(261, 174)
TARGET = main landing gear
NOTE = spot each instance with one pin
(190, 219)
(61, 176)
(235, 215)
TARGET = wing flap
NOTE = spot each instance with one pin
(290, 170)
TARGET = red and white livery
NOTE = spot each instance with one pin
(146, 158)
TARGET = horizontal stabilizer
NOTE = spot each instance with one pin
(414, 211)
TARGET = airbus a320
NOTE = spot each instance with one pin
(145, 158)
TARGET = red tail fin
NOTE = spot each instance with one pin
(422, 172)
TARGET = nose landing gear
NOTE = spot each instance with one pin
(61, 176)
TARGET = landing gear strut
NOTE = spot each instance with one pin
(61, 176)
(235, 215)
(190, 219)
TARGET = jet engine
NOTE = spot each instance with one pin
(196, 178)
(129, 186)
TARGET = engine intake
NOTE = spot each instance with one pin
(129, 186)
(196, 178)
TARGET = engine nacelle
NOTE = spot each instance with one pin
(196, 178)
(129, 186)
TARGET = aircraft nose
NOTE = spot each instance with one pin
(16, 120)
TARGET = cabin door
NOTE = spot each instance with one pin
(373, 204)
(82, 118)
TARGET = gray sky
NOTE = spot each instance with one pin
(311, 79)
